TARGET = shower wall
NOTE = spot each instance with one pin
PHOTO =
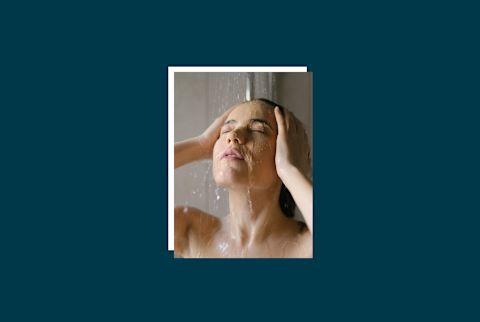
(201, 97)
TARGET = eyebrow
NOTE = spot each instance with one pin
(251, 120)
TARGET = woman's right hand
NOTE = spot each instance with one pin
(200, 147)
(208, 138)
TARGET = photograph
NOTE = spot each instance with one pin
(242, 165)
(151, 153)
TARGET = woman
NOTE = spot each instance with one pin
(255, 147)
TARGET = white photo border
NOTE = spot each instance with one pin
(171, 96)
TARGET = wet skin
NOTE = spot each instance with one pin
(244, 163)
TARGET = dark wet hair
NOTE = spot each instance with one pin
(286, 202)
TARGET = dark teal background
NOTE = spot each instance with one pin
(84, 153)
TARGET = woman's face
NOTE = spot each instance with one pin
(244, 155)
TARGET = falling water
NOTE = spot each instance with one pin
(249, 197)
(222, 91)
(250, 160)
(216, 200)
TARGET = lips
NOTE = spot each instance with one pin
(232, 154)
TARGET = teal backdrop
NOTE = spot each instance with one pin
(84, 154)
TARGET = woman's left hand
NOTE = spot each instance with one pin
(292, 145)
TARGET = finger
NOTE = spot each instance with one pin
(288, 121)
(224, 116)
(229, 110)
(280, 121)
(219, 121)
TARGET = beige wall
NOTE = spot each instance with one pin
(200, 98)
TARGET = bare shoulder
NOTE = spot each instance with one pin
(193, 228)
(193, 216)
(304, 242)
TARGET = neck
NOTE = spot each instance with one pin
(254, 214)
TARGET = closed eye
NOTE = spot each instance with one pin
(257, 128)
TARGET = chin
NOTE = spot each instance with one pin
(230, 182)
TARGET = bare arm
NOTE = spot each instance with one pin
(292, 160)
(301, 189)
(189, 151)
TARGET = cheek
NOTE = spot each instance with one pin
(265, 148)
(265, 171)
(217, 149)
(264, 155)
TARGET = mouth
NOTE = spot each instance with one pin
(232, 154)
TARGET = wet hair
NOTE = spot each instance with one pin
(286, 202)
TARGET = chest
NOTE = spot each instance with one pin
(222, 247)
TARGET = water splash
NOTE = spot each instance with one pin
(223, 248)
(249, 197)
(250, 162)
(216, 201)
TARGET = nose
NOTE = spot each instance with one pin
(235, 138)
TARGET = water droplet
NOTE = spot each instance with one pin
(223, 247)
(249, 197)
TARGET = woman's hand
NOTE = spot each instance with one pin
(292, 145)
(200, 147)
(292, 159)
(208, 138)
